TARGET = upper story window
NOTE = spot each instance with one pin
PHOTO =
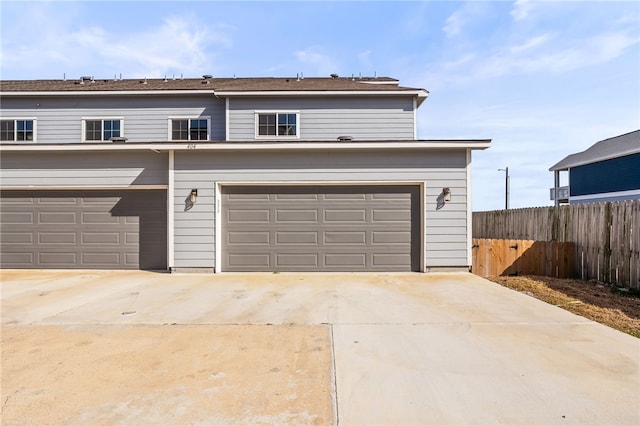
(275, 124)
(102, 129)
(17, 130)
(189, 129)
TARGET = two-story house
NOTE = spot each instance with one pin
(609, 170)
(229, 174)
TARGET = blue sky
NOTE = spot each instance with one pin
(543, 79)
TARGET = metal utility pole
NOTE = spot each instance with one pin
(506, 187)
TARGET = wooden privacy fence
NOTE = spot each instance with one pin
(606, 236)
(493, 258)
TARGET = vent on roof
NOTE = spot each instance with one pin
(334, 76)
(345, 138)
(207, 76)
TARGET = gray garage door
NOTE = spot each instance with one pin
(83, 229)
(324, 228)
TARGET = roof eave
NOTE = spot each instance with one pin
(479, 144)
(109, 92)
(564, 165)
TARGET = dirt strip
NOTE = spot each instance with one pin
(172, 374)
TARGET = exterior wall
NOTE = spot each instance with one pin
(83, 169)
(609, 176)
(445, 232)
(325, 118)
(59, 119)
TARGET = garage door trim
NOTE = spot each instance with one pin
(218, 208)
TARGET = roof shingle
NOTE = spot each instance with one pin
(207, 84)
(617, 146)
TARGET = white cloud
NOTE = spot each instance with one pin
(470, 15)
(179, 44)
(521, 10)
(453, 24)
(533, 56)
(531, 43)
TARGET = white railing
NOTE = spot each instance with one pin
(560, 193)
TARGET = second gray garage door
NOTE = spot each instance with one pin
(321, 228)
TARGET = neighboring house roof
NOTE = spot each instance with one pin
(88, 84)
(618, 146)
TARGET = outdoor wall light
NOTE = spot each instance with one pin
(193, 196)
(447, 194)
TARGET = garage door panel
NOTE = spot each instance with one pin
(57, 258)
(390, 215)
(247, 261)
(248, 216)
(296, 260)
(240, 195)
(294, 197)
(112, 259)
(101, 238)
(20, 259)
(58, 201)
(132, 259)
(344, 197)
(254, 238)
(294, 215)
(133, 238)
(330, 228)
(345, 237)
(296, 238)
(83, 229)
(16, 218)
(58, 218)
(99, 218)
(390, 196)
(61, 238)
(391, 260)
(17, 238)
(387, 237)
(346, 260)
(345, 215)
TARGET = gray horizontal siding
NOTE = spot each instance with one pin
(364, 118)
(44, 169)
(59, 120)
(445, 231)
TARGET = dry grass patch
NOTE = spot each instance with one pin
(590, 299)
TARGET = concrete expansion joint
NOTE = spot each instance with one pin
(334, 378)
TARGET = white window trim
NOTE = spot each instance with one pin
(15, 130)
(101, 118)
(268, 137)
(188, 117)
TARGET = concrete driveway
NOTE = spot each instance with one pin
(94, 347)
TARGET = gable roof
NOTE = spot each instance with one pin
(617, 146)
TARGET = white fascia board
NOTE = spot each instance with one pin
(109, 92)
(419, 93)
(258, 146)
(82, 187)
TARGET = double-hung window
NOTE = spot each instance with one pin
(189, 129)
(277, 124)
(15, 130)
(102, 129)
